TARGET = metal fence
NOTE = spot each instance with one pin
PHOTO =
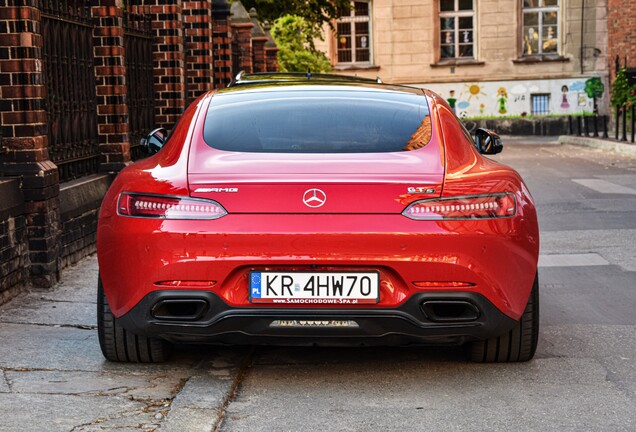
(590, 126)
(236, 55)
(622, 121)
(67, 35)
(624, 115)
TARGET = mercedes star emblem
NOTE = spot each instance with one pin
(314, 198)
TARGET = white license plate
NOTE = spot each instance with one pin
(314, 288)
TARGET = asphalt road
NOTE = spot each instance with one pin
(583, 378)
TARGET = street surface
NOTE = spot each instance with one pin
(583, 378)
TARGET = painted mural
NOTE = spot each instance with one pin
(521, 98)
(502, 100)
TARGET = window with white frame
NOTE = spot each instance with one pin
(354, 34)
(540, 103)
(541, 29)
(457, 29)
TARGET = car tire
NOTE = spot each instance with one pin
(120, 345)
(517, 345)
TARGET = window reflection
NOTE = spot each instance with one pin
(540, 27)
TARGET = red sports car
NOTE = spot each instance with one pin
(316, 209)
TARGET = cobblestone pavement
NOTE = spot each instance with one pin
(54, 378)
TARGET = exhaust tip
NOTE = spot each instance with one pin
(450, 311)
(179, 309)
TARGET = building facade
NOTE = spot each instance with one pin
(486, 57)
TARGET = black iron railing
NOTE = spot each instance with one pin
(589, 126)
(67, 35)
(235, 48)
(624, 116)
(73, 10)
(138, 40)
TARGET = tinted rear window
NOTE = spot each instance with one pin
(318, 122)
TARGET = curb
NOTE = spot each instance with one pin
(530, 139)
(598, 143)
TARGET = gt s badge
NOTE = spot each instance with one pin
(421, 190)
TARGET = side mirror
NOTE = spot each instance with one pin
(154, 141)
(488, 142)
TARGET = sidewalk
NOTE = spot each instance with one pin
(529, 139)
(53, 376)
(600, 143)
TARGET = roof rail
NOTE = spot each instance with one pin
(243, 78)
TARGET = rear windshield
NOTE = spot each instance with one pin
(318, 122)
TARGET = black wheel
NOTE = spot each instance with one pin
(120, 345)
(518, 345)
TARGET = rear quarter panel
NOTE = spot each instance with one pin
(163, 173)
(470, 173)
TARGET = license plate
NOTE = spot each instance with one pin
(314, 288)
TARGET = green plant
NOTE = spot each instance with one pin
(294, 37)
(623, 95)
(594, 88)
(316, 12)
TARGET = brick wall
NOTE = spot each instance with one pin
(110, 85)
(14, 249)
(621, 28)
(197, 18)
(241, 25)
(259, 38)
(13, 256)
(24, 140)
(169, 59)
(221, 43)
(79, 206)
(46, 225)
(271, 50)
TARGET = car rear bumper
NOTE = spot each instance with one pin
(494, 258)
(426, 318)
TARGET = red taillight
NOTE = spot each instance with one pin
(168, 207)
(500, 205)
(186, 284)
(438, 284)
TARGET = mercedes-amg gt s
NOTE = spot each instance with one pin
(305, 209)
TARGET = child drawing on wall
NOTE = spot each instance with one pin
(564, 99)
(452, 101)
(502, 99)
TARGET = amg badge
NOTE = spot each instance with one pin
(230, 190)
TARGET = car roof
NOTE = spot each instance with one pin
(309, 80)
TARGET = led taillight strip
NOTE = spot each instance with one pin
(438, 284)
(141, 205)
(168, 207)
(186, 284)
(500, 205)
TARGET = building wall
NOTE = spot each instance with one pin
(406, 48)
(514, 97)
(621, 23)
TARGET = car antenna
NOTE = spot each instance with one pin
(308, 73)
